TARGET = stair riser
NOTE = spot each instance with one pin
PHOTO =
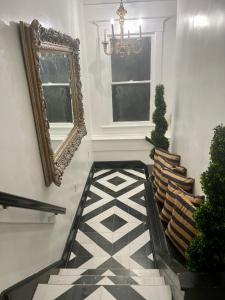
(116, 272)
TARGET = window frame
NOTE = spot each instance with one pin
(133, 82)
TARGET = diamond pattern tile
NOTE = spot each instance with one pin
(114, 222)
(112, 255)
(116, 180)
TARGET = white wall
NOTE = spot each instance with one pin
(113, 141)
(200, 78)
(25, 249)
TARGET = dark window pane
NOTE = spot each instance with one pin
(131, 102)
(58, 103)
(54, 67)
(134, 66)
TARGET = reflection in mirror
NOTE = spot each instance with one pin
(53, 73)
(55, 78)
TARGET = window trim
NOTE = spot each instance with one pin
(130, 82)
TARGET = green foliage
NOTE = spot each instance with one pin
(204, 255)
(158, 138)
(207, 251)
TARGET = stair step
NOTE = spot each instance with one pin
(106, 280)
(103, 292)
(111, 272)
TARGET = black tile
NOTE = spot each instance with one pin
(78, 292)
(116, 180)
(113, 222)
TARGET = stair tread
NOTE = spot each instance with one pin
(103, 292)
(103, 280)
(110, 272)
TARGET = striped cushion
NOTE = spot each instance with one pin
(172, 159)
(172, 191)
(167, 175)
(181, 229)
(161, 163)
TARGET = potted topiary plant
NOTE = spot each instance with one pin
(158, 138)
(206, 252)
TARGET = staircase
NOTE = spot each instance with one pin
(70, 284)
(112, 255)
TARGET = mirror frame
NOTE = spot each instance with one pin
(35, 37)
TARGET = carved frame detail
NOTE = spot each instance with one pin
(34, 38)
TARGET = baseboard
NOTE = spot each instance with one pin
(25, 289)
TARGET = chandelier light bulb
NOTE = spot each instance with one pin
(112, 21)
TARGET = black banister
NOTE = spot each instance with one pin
(9, 200)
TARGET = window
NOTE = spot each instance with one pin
(131, 84)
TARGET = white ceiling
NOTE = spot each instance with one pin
(86, 2)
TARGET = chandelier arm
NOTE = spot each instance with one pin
(105, 46)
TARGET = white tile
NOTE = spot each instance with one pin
(91, 246)
(154, 292)
(96, 295)
(140, 241)
(108, 273)
(123, 260)
(151, 256)
(105, 295)
(116, 188)
(95, 262)
(96, 224)
(50, 292)
(132, 204)
(134, 265)
(149, 280)
(105, 281)
(146, 272)
(71, 272)
(59, 279)
(72, 256)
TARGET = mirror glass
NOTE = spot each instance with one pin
(55, 78)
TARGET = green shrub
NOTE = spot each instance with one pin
(158, 138)
(207, 251)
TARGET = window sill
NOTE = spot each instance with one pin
(128, 125)
(116, 138)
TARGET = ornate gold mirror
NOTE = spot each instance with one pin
(53, 72)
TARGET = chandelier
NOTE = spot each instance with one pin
(122, 45)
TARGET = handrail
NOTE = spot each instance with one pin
(9, 200)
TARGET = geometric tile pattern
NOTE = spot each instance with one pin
(112, 255)
(114, 231)
(113, 241)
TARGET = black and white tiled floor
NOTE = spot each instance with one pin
(112, 256)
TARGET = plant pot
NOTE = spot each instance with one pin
(203, 286)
